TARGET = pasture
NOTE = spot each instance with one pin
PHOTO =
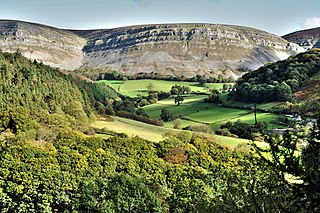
(132, 88)
(153, 133)
(193, 110)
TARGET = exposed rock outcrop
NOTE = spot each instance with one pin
(307, 39)
(184, 49)
(54, 47)
(169, 49)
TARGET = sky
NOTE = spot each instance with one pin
(275, 16)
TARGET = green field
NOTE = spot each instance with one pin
(153, 133)
(195, 111)
(134, 87)
(133, 128)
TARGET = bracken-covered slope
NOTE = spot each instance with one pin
(305, 38)
(52, 46)
(167, 49)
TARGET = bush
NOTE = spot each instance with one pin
(199, 128)
(166, 115)
(142, 112)
(225, 132)
(139, 118)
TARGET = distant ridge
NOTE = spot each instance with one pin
(307, 39)
(167, 49)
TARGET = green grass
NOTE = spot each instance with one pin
(133, 128)
(134, 87)
(249, 118)
(115, 84)
(230, 141)
(264, 106)
(153, 133)
(194, 111)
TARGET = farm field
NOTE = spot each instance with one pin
(193, 110)
(153, 133)
(134, 87)
(133, 128)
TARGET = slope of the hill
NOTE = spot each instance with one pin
(38, 90)
(305, 38)
(167, 49)
(278, 81)
(184, 49)
(32, 93)
(55, 47)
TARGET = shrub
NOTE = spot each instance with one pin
(139, 118)
(199, 128)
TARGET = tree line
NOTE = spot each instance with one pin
(277, 81)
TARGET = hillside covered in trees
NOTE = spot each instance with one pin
(277, 81)
(32, 93)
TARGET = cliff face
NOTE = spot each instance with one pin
(307, 39)
(184, 49)
(54, 47)
(172, 49)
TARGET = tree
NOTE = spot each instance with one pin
(150, 87)
(166, 115)
(283, 92)
(303, 165)
(214, 97)
(187, 89)
(142, 112)
(180, 90)
(124, 79)
(177, 123)
(225, 87)
(143, 102)
(132, 195)
(178, 100)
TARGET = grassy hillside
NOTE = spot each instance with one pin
(153, 133)
(134, 87)
(195, 111)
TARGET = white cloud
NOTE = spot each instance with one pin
(312, 23)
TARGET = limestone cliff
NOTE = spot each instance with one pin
(54, 47)
(307, 39)
(184, 49)
(169, 49)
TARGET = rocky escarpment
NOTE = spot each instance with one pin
(184, 49)
(55, 47)
(307, 39)
(169, 49)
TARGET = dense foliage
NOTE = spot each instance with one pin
(184, 173)
(141, 118)
(297, 155)
(38, 90)
(277, 81)
(243, 129)
(108, 74)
